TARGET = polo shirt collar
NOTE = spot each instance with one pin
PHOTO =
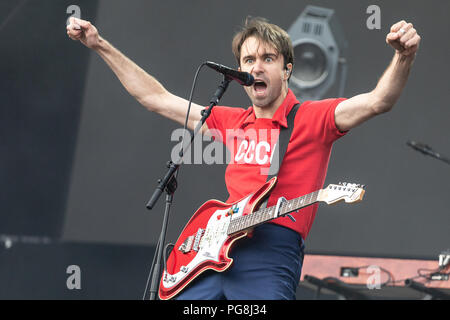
(281, 113)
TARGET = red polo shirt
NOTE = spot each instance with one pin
(251, 142)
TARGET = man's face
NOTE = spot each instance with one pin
(266, 65)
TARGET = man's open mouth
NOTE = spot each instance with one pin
(259, 86)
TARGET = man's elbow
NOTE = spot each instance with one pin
(380, 105)
(383, 101)
(153, 102)
(382, 108)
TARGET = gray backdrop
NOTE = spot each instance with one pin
(41, 88)
(122, 148)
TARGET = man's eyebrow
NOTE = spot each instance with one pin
(268, 54)
(248, 56)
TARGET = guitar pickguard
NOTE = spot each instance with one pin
(207, 243)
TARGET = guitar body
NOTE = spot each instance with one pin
(205, 243)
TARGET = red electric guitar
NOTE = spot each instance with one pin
(208, 236)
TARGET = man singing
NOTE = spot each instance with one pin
(268, 264)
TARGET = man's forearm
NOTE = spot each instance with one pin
(392, 82)
(142, 86)
(135, 80)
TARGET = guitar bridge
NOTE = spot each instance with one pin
(192, 242)
(186, 246)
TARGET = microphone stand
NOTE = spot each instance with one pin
(169, 184)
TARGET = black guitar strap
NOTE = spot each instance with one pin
(281, 147)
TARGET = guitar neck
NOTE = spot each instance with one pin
(267, 214)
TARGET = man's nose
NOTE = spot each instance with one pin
(257, 67)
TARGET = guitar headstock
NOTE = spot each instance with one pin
(348, 192)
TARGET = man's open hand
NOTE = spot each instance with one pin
(403, 38)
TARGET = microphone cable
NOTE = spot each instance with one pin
(194, 83)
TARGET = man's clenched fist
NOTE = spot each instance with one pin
(84, 31)
(404, 38)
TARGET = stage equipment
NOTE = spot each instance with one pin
(319, 46)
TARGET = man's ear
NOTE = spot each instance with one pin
(288, 70)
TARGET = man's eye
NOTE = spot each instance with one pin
(249, 61)
(269, 59)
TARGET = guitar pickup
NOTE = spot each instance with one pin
(197, 239)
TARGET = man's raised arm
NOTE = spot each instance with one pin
(354, 111)
(142, 86)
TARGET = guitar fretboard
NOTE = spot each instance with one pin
(267, 214)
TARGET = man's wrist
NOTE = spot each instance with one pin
(100, 45)
(405, 60)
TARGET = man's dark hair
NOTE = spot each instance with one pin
(268, 33)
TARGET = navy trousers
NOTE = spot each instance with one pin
(266, 266)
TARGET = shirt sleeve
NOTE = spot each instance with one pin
(221, 119)
(325, 127)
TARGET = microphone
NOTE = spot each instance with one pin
(426, 150)
(421, 147)
(243, 78)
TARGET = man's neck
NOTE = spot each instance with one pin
(268, 111)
